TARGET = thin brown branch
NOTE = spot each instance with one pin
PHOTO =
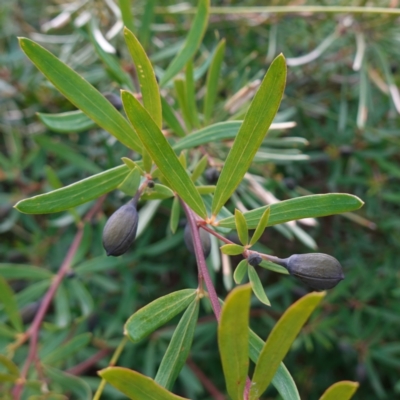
(82, 367)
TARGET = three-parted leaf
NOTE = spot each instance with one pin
(313, 206)
(71, 121)
(81, 93)
(146, 76)
(157, 313)
(136, 386)
(280, 340)
(255, 125)
(282, 381)
(212, 81)
(162, 154)
(233, 340)
(343, 390)
(179, 347)
(192, 42)
(75, 194)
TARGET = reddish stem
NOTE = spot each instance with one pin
(33, 331)
(90, 362)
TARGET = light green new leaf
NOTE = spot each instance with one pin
(240, 271)
(162, 154)
(75, 194)
(175, 212)
(146, 76)
(280, 340)
(199, 168)
(179, 347)
(241, 227)
(10, 305)
(255, 125)
(343, 390)
(81, 93)
(212, 81)
(313, 206)
(232, 249)
(136, 386)
(157, 313)
(170, 118)
(282, 381)
(131, 183)
(233, 340)
(71, 121)
(158, 192)
(257, 286)
(263, 223)
(192, 42)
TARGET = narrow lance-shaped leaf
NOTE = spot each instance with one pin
(262, 224)
(146, 76)
(131, 183)
(233, 340)
(170, 118)
(280, 340)
(191, 95)
(240, 271)
(313, 206)
(81, 93)
(257, 286)
(74, 194)
(181, 94)
(179, 347)
(157, 313)
(136, 386)
(192, 43)
(126, 13)
(71, 121)
(10, 304)
(241, 227)
(255, 125)
(212, 81)
(175, 212)
(162, 154)
(232, 249)
(343, 390)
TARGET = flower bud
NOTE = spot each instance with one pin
(254, 259)
(120, 230)
(317, 270)
(204, 237)
(114, 100)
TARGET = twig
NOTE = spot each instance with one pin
(33, 331)
(90, 362)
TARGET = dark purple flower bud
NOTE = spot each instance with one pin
(254, 259)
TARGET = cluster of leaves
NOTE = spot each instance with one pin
(81, 298)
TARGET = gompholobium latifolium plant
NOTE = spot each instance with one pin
(159, 170)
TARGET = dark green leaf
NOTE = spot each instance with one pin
(21, 271)
(257, 286)
(262, 224)
(72, 121)
(170, 118)
(10, 305)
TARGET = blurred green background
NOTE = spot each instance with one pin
(342, 92)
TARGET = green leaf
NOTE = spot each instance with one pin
(68, 349)
(10, 366)
(191, 94)
(262, 224)
(257, 286)
(181, 95)
(282, 380)
(126, 13)
(205, 189)
(192, 42)
(162, 154)
(175, 211)
(21, 271)
(136, 386)
(241, 227)
(313, 206)
(232, 249)
(212, 81)
(65, 152)
(255, 125)
(83, 296)
(81, 93)
(146, 20)
(10, 305)
(212, 133)
(240, 271)
(131, 183)
(74, 194)
(72, 121)
(179, 347)
(343, 390)
(199, 168)
(280, 340)
(158, 192)
(170, 118)
(233, 340)
(146, 76)
(62, 308)
(157, 313)
(273, 267)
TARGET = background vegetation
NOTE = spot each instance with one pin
(345, 102)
